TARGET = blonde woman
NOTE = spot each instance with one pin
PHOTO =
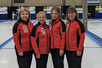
(22, 38)
(40, 40)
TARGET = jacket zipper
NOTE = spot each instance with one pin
(52, 36)
(29, 38)
(47, 38)
(68, 35)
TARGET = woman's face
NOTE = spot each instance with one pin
(71, 15)
(41, 18)
(24, 16)
(54, 14)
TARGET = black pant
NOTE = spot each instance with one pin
(25, 60)
(42, 61)
(57, 59)
(73, 60)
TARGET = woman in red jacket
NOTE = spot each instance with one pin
(40, 40)
(75, 35)
(22, 38)
(57, 33)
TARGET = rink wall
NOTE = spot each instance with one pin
(48, 2)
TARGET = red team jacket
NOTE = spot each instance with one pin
(57, 33)
(75, 35)
(22, 36)
(40, 39)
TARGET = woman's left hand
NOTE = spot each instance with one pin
(78, 53)
(61, 52)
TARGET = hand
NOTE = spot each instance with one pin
(38, 57)
(21, 53)
(61, 52)
(78, 53)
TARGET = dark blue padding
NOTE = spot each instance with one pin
(33, 16)
(94, 37)
(3, 44)
(48, 16)
(3, 16)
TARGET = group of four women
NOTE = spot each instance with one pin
(55, 38)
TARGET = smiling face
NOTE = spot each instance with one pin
(54, 14)
(71, 15)
(24, 15)
(41, 18)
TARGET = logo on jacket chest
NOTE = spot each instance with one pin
(43, 31)
(25, 29)
(67, 27)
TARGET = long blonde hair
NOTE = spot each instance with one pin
(21, 11)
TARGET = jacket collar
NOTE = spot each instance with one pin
(71, 20)
(20, 20)
(42, 24)
(54, 21)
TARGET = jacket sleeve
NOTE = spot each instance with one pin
(34, 36)
(16, 37)
(81, 32)
(62, 28)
